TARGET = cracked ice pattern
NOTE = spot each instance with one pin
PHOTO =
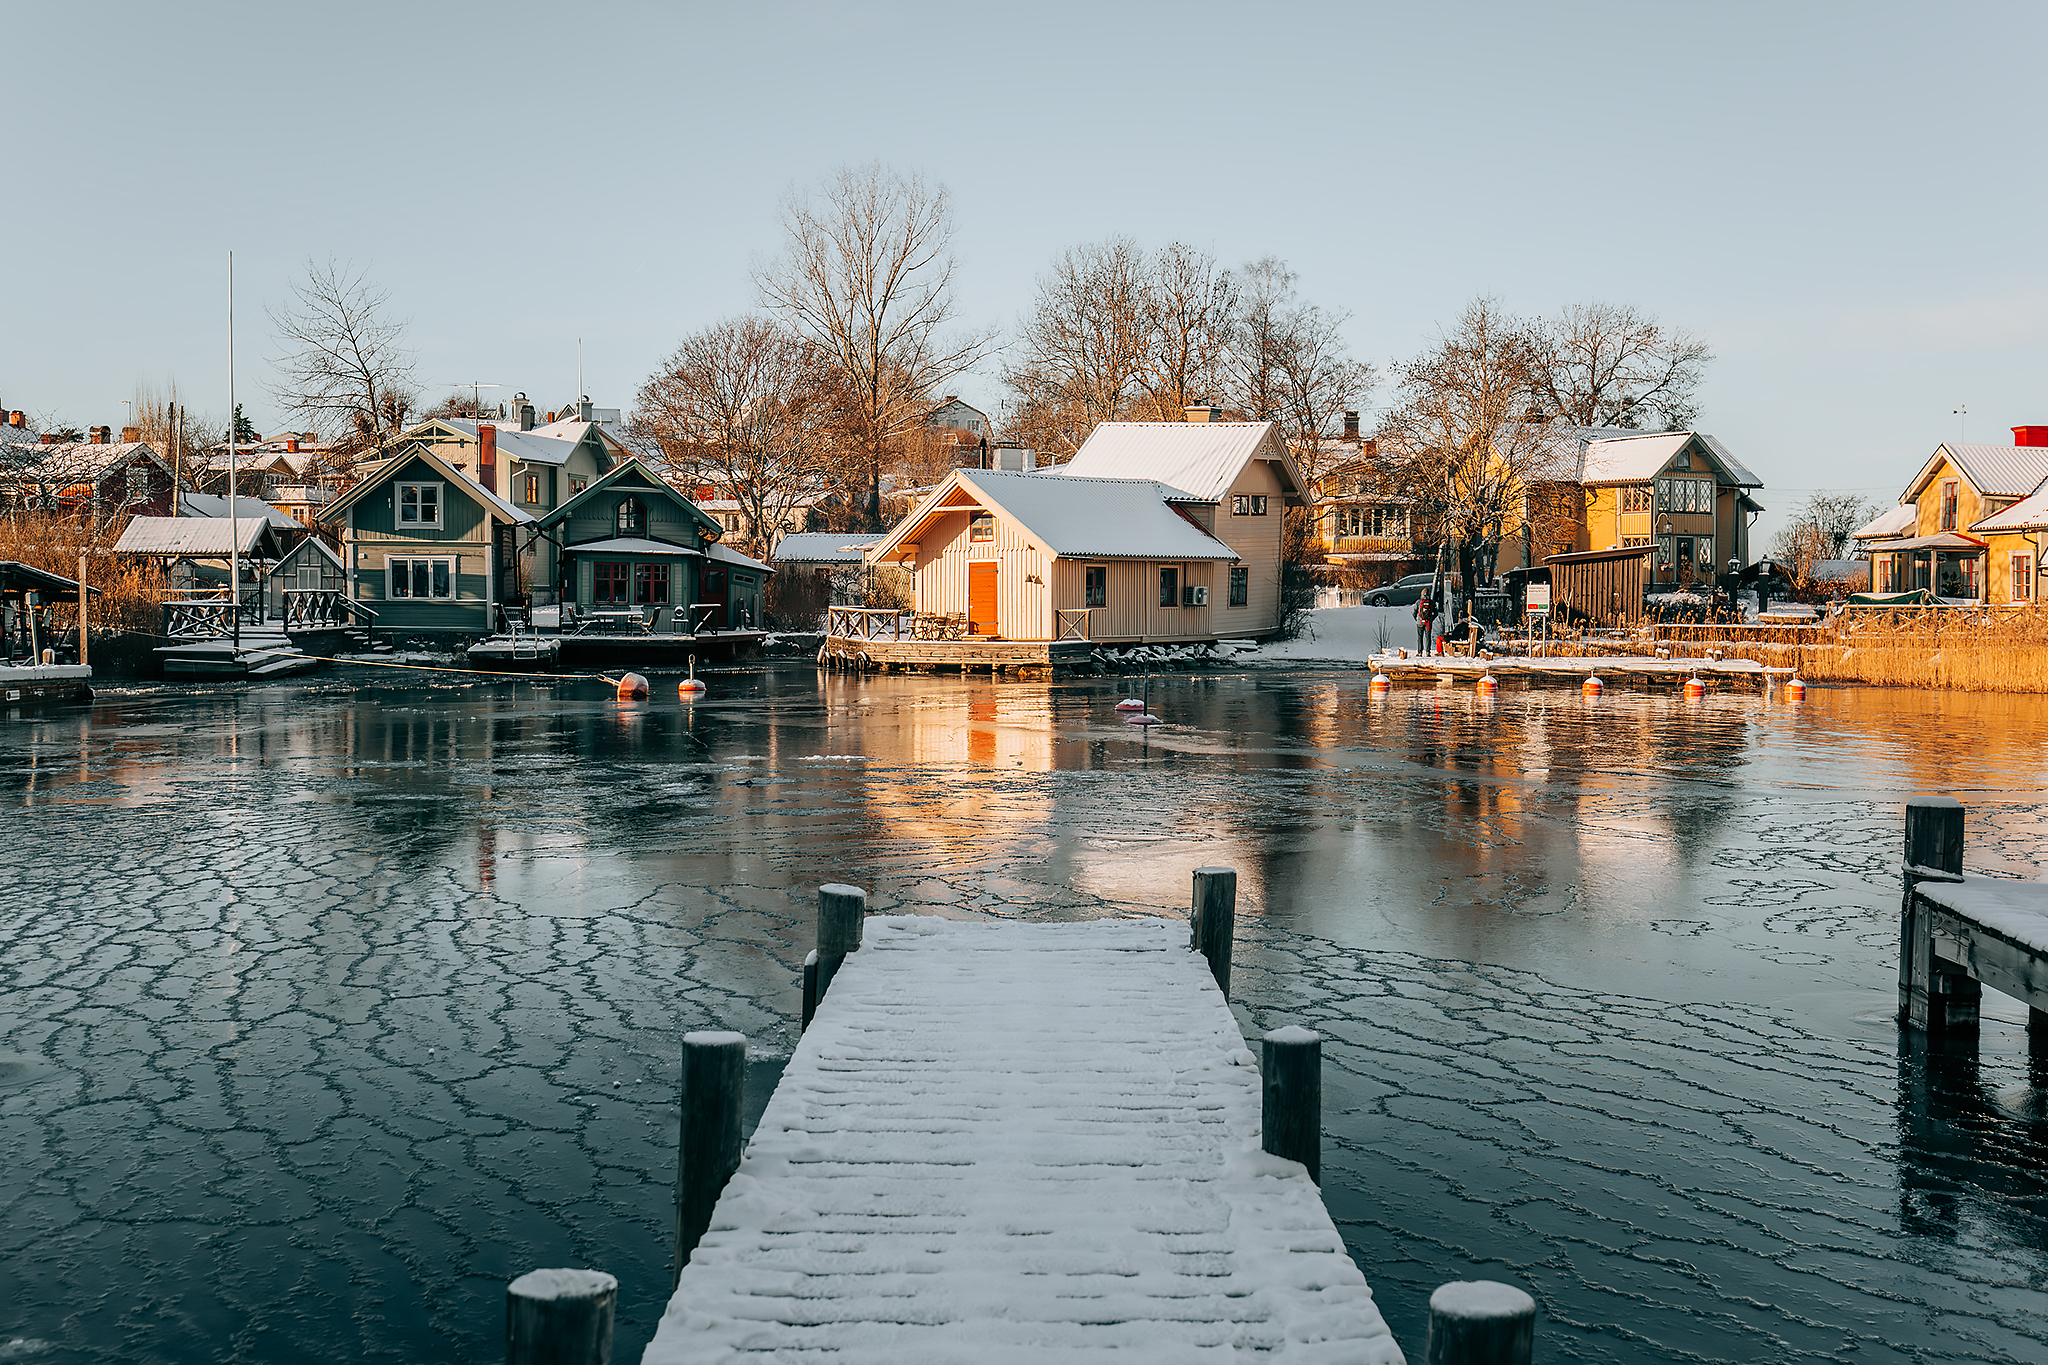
(327, 1008)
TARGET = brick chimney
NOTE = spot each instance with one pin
(2030, 436)
(48, 438)
(487, 456)
(99, 435)
(1350, 424)
(291, 445)
(17, 418)
(1202, 414)
(130, 435)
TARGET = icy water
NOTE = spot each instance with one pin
(327, 1007)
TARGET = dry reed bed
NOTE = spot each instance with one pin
(130, 592)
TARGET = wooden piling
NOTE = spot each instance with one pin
(708, 1152)
(1212, 923)
(1481, 1322)
(560, 1317)
(841, 912)
(1291, 1103)
(1930, 997)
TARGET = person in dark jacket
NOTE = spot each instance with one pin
(1425, 618)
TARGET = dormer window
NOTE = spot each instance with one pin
(632, 517)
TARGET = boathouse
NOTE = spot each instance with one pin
(1040, 557)
(427, 548)
(631, 544)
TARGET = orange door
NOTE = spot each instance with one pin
(981, 599)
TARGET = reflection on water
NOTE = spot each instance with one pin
(327, 1007)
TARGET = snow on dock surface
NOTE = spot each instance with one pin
(1019, 1142)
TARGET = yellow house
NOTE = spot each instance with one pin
(1680, 493)
(1975, 523)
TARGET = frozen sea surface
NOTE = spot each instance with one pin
(328, 1007)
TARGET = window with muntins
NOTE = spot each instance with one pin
(608, 585)
(421, 578)
(1948, 507)
(419, 504)
(2022, 578)
(1240, 586)
(1636, 500)
(1248, 504)
(1098, 586)
(1169, 585)
(529, 492)
(632, 517)
(650, 584)
(981, 526)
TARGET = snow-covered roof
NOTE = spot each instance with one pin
(1993, 470)
(192, 537)
(1897, 521)
(825, 547)
(1072, 517)
(726, 555)
(73, 460)
(2028, 514)
(1616, 455)
(1202, 459)
(465, 485)
(632, 545)
(542, 445)
(246, 509)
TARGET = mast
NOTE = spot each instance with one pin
(234, 528)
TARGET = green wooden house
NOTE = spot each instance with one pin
(631, 541)
(429, 549)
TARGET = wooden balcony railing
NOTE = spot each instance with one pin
(323, 608)
(1073, 623)
(867, 623)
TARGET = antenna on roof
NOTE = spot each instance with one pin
(1963, 427)
(579, 364)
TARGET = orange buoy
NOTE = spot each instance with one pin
(1694, 689)
(690, 688)
(632, 685)
(1796, 689)
(1381, 684)
(1592, 686)
(1488, 685)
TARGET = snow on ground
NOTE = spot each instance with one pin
(1344, 633)
(1016, 1142)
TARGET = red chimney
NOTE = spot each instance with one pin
(2030, 436)
(48, 438)
(17, 418)
(130, 435)
(291, 445)
(487, 459)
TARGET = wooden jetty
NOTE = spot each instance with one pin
(867, 639)
(1442, 669)
(39, 684)
(1020, 1141)
(1959, 933)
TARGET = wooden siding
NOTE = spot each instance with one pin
(373, 537)
(1607, 590)
(1257, 540)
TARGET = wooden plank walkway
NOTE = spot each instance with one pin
(1020, 1142)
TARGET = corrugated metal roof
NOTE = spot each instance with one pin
(1896, 522)
(2000, 471)
(632, 545)
(194, 537)
(1202, 458)
(1080, 517)
(824, 547)
(246, 509)
(542, 445)
(2028, 514)
(727, 555)
(1630, 457)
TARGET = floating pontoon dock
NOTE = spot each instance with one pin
(1455, 668)
(1009, 1142)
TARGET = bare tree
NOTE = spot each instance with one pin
(867, 278)
(1820, 531)
(1189, 306)
(1607, 364)
(1462, 437)
(344, 365)
(1286, 362)
(1083, 346)
(746, 405)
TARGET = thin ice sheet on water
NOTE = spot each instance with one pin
(1015, 1142)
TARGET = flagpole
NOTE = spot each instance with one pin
(234, 528)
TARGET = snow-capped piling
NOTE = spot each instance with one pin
(714, 1086)
(1291, 1097)
(1481, 1322)
(1212, 923)
(810, 986)
(560, 1317)
(841, 911)
(1929, 997)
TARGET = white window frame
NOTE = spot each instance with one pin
(391, 563)
(398, 505)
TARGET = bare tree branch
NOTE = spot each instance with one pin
(344, 364)
(1608, 365)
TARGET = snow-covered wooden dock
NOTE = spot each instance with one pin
(1019, 1142)
(1458, 667)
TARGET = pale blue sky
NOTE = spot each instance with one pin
(1846, 200)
